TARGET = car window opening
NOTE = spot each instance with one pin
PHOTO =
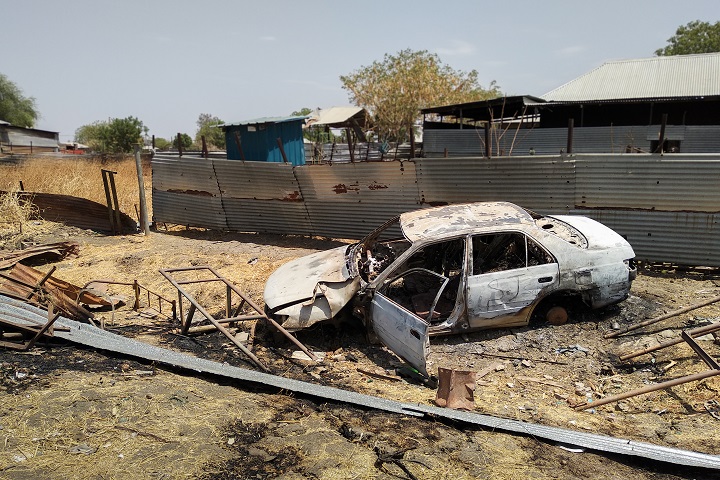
(427, 283)
(506, 251)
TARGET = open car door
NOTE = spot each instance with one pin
(395, 314)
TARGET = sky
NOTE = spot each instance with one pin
(167, 61)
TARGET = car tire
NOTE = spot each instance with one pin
(556, 316)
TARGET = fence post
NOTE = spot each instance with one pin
(179, 142)
(144, 226)
(661, 138)
(571, 127)
(488, 147)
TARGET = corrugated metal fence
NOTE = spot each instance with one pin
(667, 206)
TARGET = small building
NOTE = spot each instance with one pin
(26, 140)
(619, 107)
(270, 139)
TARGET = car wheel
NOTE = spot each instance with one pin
(556, 316)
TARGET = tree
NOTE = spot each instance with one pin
(16, 108)
(185, 141)
(695, 37)
(117, 135)
(208, 127)
(393, 91)
(303, 112)
(161, 143)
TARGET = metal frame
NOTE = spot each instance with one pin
(38, 331)
(137, 289)
(232, 316)
(688, 336)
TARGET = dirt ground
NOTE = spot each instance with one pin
(70, 412)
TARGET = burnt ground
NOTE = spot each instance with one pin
(71, 412)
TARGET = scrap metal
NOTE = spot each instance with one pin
(43, 289)
(75, 211)
(85, 334)
(674, 313)
(231, 316)
(56, 251)
(688, 337)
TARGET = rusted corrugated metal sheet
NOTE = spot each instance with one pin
(272, 216)
(684, 238)
(191, 175)
(539, 182)
(349, 200)
(672, 182)
(75, 211)
(257, 180)
(188, 209)
(667, 206)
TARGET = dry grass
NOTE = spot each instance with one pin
(78, 177)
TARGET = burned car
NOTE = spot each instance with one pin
(452, 269)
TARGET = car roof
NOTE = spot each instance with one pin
(452, 220)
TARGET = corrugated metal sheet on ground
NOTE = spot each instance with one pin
(683, 238)
(194, 175)
(671, 182)
(257, 180)
(271, 216)
(192, 210)
(349, 200)
(91, 336)
(543, 183)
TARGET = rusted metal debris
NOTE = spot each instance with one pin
(95, 287)
(455, 389)
(48, 251)
(75, 211)
(88, 335)
(34, 331)
(688, 336)
(232, 314)
(674, 313)
(44, 290)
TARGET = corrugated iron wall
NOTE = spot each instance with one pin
(667, 206)
(550, 141)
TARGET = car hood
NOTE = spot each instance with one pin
(598, 235)
(300, 280)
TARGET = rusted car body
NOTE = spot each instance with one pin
(452, 269)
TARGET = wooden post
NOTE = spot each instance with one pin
(179, 143)
(144, 226)
(661, 138)
(239, 145)
(412, 142)
(282, 150)
(204, 146)
(350, 145)
(488, 149)
(571, 126)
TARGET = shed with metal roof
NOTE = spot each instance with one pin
(267, 139)
(14, 139)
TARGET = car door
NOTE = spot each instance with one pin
(509, 272)
(402, 309)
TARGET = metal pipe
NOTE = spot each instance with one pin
(647, 389)
(694, 333)
(662, 317)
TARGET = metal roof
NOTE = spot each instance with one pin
(336, 115)
(450, 220)
(257, 121)
(683, 76)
